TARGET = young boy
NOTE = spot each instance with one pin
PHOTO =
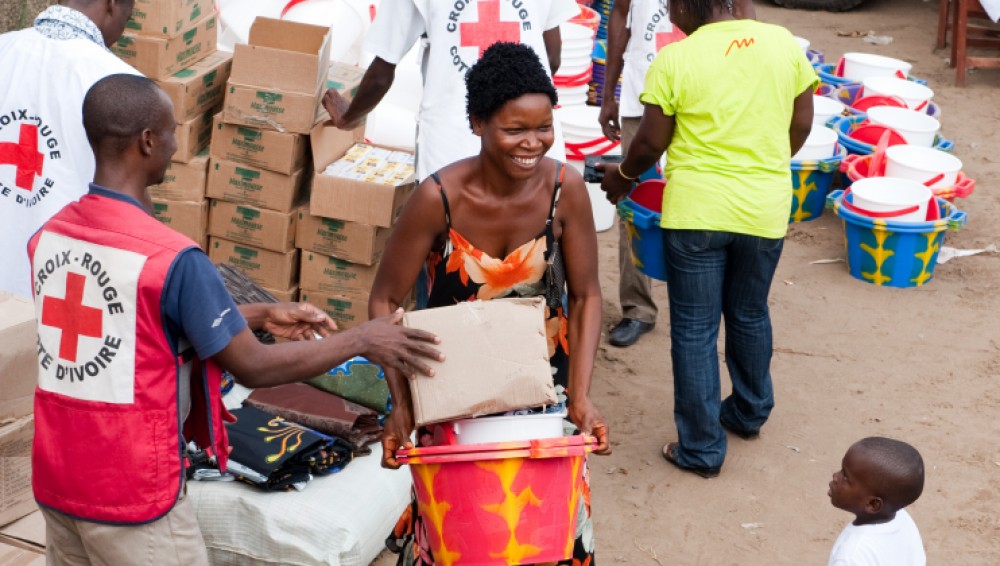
(877, 479)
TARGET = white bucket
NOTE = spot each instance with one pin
(921, 164)
(391, 125)
(821, 144)
(803, 43)
(604, 211)
(516, 428)
(916, 128)
(860, 66)
(825, 108)
(891, 195)
(912, 93)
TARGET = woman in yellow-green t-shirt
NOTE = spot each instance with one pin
(729, 104)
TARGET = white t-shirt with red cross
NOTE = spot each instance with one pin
(45, 159)
(650, 27)
(457, 33)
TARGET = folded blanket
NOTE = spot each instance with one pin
(274, 454)
(359, 381)
(321, 411)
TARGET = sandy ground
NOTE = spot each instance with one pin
(851, 360)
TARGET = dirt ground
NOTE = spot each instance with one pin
(851, 360)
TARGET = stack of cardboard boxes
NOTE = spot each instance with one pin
(259, 171)
(174, 43)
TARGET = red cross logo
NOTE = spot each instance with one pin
(24, 155)
(489, 29)
(667, 37)
(72, 317)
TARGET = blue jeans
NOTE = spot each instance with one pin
(712, 275)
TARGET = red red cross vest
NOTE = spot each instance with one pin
(108, 434)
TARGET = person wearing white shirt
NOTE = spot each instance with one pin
(456, 33)
(45, 160)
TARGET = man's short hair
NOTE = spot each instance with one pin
(118, 108)
(898, 469)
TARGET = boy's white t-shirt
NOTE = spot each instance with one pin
(896, 543)
(650, 29)
(456, 33)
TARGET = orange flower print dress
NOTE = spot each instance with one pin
(460, 272)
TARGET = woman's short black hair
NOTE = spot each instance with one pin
(505, 71)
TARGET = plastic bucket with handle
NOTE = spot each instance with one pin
(641, 212)
(860, 66)
(901, 200)
(916, 96)
(916, 127)
(811, 182)
(925, 165)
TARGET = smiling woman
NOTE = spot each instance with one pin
(507, 222)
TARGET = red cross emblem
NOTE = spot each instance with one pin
(24, 155)
(667, 37)
(489, 29)
(72, 317)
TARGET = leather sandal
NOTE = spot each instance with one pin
(670, 456)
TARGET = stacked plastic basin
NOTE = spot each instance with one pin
(574, 76)
(584, 137)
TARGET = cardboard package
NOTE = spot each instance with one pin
(184, 181)
(237, 182)
(28, 531)
(346, 309)
(164, 18)
(19, 555)
(347, 199)
(188, 218)
(246, 224)
(266, 149)
(192, 138)
(325, 273)
(349, 241)
(160, 57)
(289, 295)
(16, 498)
(18, 357)
(272, 270)
(199, 88)
(278, 76)
(496, 360)
(345, 79)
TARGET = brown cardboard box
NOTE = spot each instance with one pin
(272, 270)
(251, 225)
(345, 79)
(324, 273)
(184, 181)
(19, 555)
(193, 137)
(28, 530)
(283, 55)
(289, 295)
(188, 218)
(496, 359)
(346, 309)
(16, 498)
(271, 108)
(274, 151)
(18, 357)
(237, 182)
(349, 241)
(346, 199)
(159, 57)
(199, 88)
(165, 18)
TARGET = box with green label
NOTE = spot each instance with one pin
(266, 149)
(192, 138)
(237, 182)
(188, 218)
(271, 109)
(184, 181)
(349, 241)
(166, 18)
(346, 309)
(160, 57)
(200, 87)
(326, 273)
(252, 225)
(271, 270)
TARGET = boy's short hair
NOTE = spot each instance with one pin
(504, 72)
(898, 467)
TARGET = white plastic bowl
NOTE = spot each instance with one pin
(860, 66)
(890, 195)
(916, 128)
(825, 108)
(821, 144)
(922, 164)
(484, 430)
(912, 93)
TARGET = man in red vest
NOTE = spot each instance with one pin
(134, 323)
